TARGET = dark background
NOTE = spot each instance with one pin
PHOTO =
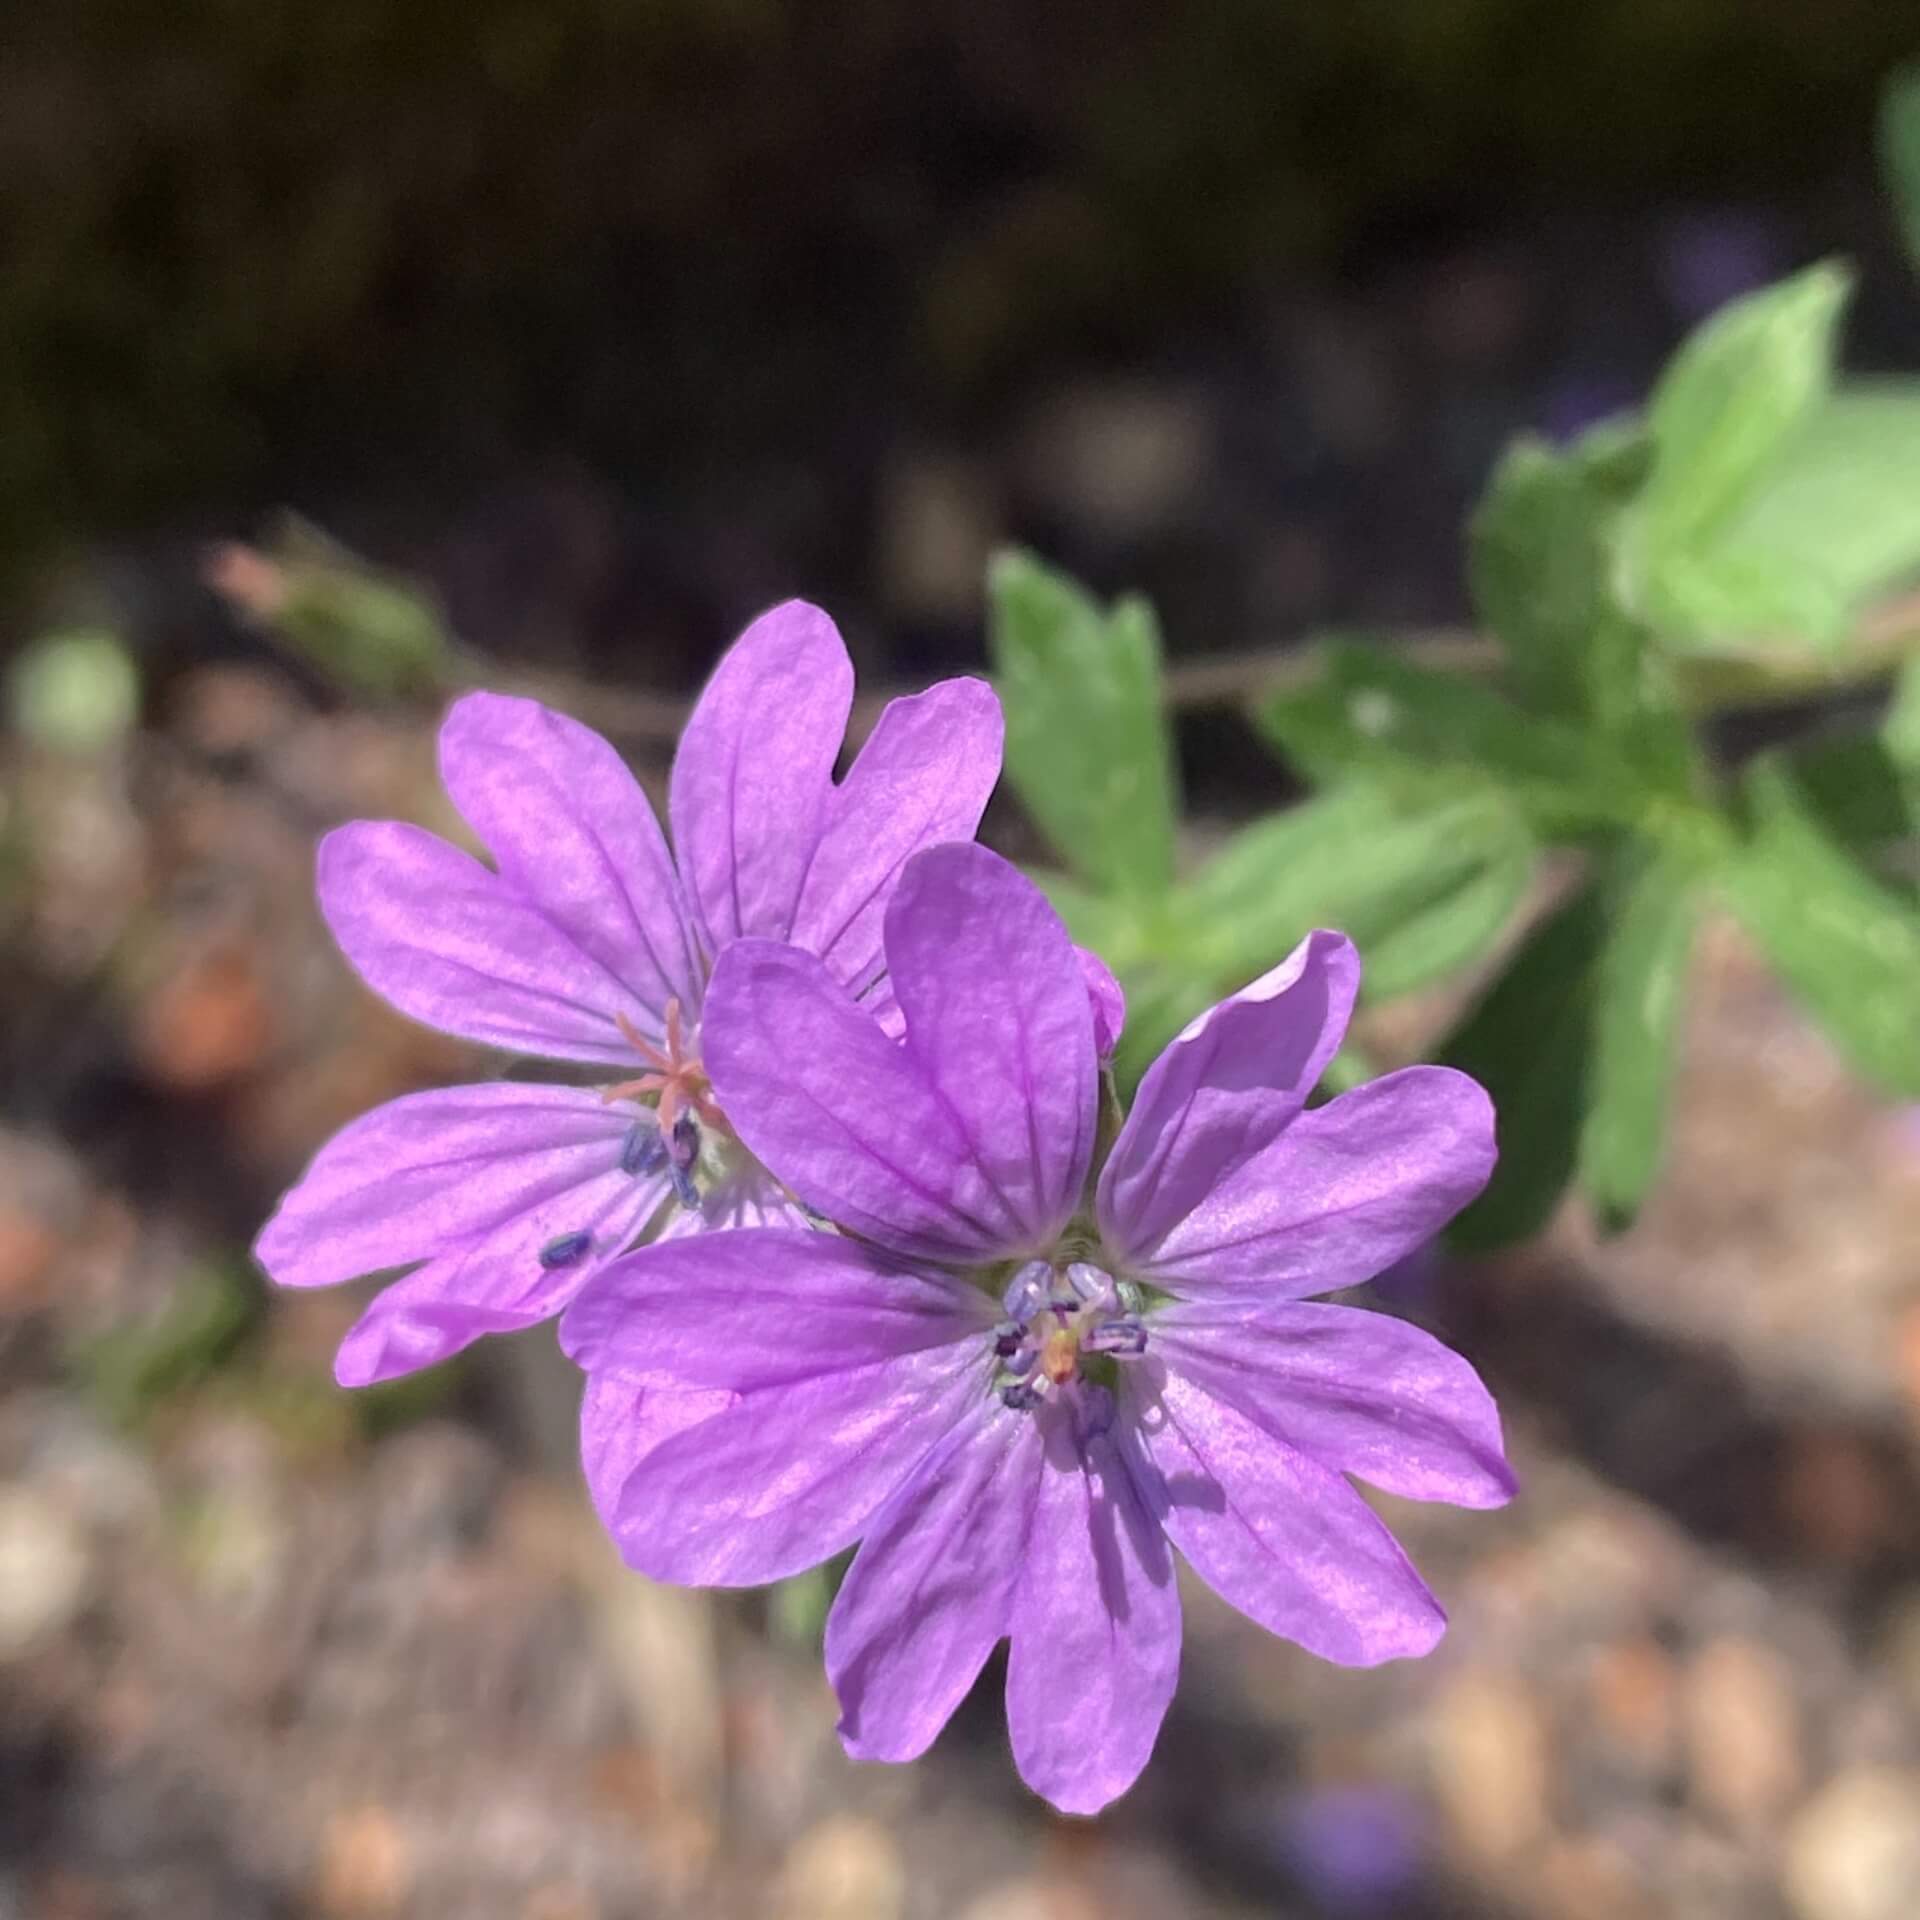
(624, 319)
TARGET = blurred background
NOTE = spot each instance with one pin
(590, 329)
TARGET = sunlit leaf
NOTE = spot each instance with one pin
(1651, 915)
(1848, 946)
(1834, 524)
(1371, 714)
(1529, 1043)
(1087, 743)
(1730, 401)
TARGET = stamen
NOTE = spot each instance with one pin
(1026, 1292)
(684, 1151)
(643, 1151)
(1124, 1337)
(644, 1047)
(632, 1089)
(1058, 1322)
(675, 1080)
(568, 1250)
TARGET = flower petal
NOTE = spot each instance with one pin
(1363, 1392)
(791, 1474)
(1096, 1626)
(623, 1419)
(571, 831)
(849, 1367)
(457, 946)
(1109, 1002)
(765, 1307)
(1275, 1534)
(842, 1114)
(1000, 1021)
(931, 1589)
(476, 1182)
(923, 777)
(1224, 1088)
(753, 775)
(1340, 1195)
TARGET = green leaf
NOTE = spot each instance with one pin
(1641, 970)
(1539, 557)
(1834, 523)
(1087, 743)
(1423, 884)
(1853, 788)
(1457, 928)
(1899, 132)
(377, 633)
(1900, 730)
(1847, 946)
(1731, 399)
(1373, 714)
(1368, 859)
(1528, 1042)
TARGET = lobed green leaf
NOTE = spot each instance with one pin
(1848, 946)
(1088, 747)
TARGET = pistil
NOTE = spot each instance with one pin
(1058, 1320)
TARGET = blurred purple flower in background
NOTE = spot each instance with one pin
(588, 941)
(1019, 1391)
(1710, 255)
(1355, 1849)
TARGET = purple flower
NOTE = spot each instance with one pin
(1021, 1377)
(587, 941)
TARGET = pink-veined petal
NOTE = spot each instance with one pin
(931, 1590)
(1345, 1191)
(477, 1183)
(1275, 1534)
(849, 1368)
(1363, 1392)
(569, 828)
(923, 777)
(1096, 1626)
(456, 946)
(753, 776)
(762, 1307)
(1224, 1088)
(844, 1115)
(622, 1419)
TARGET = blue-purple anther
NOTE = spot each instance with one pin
(1054, 1319)
(681, 1155)
(567, 1250)
(645, 1149)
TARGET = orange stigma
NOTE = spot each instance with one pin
(676, 1078)
(1060, 1355)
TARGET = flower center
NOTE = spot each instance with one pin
(677, 1087)
(1062, 1326)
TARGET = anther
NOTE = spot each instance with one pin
(643, 1151)
(1126, 1337)
(567, 1250)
